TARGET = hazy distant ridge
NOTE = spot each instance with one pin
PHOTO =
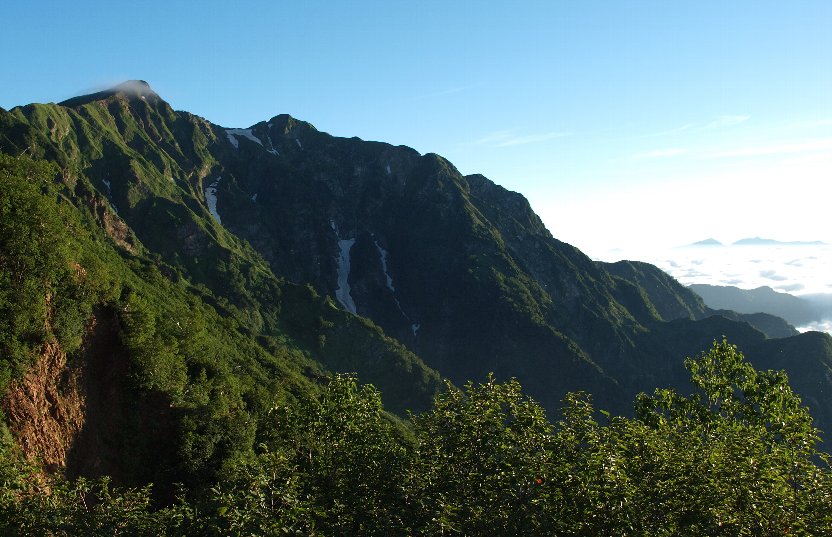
(757, 241)
(797, 310)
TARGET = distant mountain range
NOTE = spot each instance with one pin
(797, 310)
(237, 267)
(758, 241)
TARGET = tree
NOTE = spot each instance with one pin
(347, 456)
(740, 454)
(480, 462)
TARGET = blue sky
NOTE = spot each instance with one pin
(626, 124)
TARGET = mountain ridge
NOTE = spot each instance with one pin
(448, 274)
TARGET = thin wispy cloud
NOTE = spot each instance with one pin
(778, 149)
(508, 138)
(661, 153)
(675, 130)
(442, 93)
(722, 122)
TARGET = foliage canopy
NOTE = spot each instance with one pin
(736, 457)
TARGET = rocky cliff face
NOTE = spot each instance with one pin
(46, 409)
(81, 416)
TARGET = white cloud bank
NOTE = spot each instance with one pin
(797, 270)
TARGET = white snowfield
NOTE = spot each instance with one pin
(342, 293)
(211, 199)
(245, 133)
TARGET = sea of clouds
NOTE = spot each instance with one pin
(800, 270)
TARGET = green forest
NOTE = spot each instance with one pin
(737, 457)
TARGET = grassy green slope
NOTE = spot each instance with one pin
(207, 338)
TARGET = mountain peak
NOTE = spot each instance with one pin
(284, 123)
(759, 241)
(707, 242)
(135, 89)
(138, 88)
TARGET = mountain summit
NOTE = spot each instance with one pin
(135, 89)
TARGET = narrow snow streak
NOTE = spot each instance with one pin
(387, 169)
(110, 195)
(211, 199)
(254, 197)
(342, 293)
(383, 255)
(298, 142)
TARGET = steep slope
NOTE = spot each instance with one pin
(144, 173)
(112, 363)
(431, 256)
(455, 267)
(671, 300)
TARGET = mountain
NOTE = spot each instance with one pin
(672, 300)
(796, 310)
(707, 242)
(757, 241)
(329, 254)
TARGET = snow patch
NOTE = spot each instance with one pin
(211, 199)
(415, 328)
(245, 133)
(298, 142)
(110, 195)
(254, 197)
(382, 253)
(273, 151)
(387, 169)
(342, 293)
